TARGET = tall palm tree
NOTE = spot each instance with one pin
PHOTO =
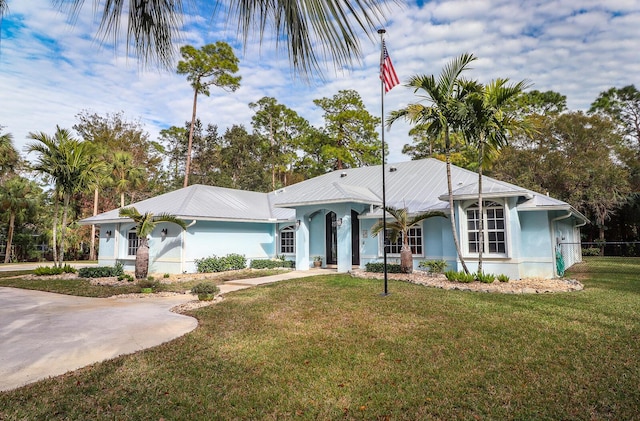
(145, 224)
(68, 163)
(124, 174)
(399, 228)
(440, 116)
(9, 157)
(299, 26)
(490, 119)
(16, 196)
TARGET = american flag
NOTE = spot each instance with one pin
(387, 72)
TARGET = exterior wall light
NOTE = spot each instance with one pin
(298, 222)
(108, 233)
(164, 232)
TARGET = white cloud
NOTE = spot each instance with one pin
(51, 70)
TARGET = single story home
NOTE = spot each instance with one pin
(331, 216)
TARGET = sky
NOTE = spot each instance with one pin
(52, 68)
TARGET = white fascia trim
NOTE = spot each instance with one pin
(326, 202)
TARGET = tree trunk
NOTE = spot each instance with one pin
(7, 251)
(480, 208)
(193, 123)
(122, 199)
(54, 234)
(453, 212)
(63, 227)
(142, 259)
(92, 247)
(406, 258)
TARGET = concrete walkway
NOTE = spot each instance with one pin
(44, 334)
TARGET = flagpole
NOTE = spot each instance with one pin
(382, 31)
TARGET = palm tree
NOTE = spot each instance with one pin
(16, 197)
(145, 224)
(69, 164)
(153, 26)
(489, 121)
(124, 174)
(399, 228)
(441, 116)
(9, 157)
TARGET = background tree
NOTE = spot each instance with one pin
(9, 156)
(213, 64)
(241, 161)
(572, 157)
(126, 177)
(428, 145)
(398, 229)
(18, 198)
(145, 224)
(283, 128)
(440, 117)
(350, 130)
(173, 142)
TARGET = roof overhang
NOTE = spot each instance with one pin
(527, 195)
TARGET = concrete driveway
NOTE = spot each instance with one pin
(44, 334)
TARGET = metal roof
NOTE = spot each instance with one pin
(419, 185)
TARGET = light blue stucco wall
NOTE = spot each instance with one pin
(219, 238)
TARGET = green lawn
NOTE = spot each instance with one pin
(331, 347)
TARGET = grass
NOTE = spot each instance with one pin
(82, 287)
(331, 347)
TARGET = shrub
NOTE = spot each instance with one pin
(591, 251)
(125, 277)
(101, 271)
(434, 266)
(503, 278)
(214, 263)
(378, 267)
(166, 275)
(205, 288)
(271, 264)
(485, 278)
(53, 270)
(460, 276)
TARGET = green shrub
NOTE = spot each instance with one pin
(236, 261)
(271, 264)
(378, 267)
(433, 266)
(101, 271)
(503, 278)
(125, 277)
(214, 263)
(205, 288)
(166, 275)
(485, 278)
(591, 251)
(53, 270)
(460, 276)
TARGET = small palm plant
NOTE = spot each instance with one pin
(145, 224)
(399, 228)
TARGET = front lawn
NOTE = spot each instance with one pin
(331, 347)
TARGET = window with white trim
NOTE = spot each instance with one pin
(495, 238)
(133, 242)
(415, 242)
(288, 240)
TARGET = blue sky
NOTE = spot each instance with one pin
(50, 69)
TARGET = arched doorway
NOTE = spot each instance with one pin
(331, 243)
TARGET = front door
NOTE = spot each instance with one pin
(331, 230)
(355, 239)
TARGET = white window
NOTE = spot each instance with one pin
(495, 241)
(415, 242)
(133, 242)
(288, 240)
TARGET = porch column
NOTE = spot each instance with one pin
(302, 242)
(344, 241)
